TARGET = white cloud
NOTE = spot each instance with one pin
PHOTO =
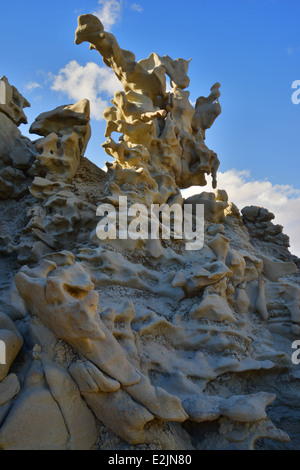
(136, 7)
(90, 81)
(109, 12)
(32, 86)
(282, 200)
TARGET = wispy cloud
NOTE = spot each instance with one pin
(91, 81)
(32, 86)
(282, 200)
(109, 12)
(136, 7)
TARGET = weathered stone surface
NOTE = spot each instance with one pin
(9, 134)
(90, 379)
(13, 341)
(258, 222)
(65, 120)
(274, 270)
(214, 205)
(9, 387)
(77, 417)
(110, 407)
(36, 413)
(248, 408)
(160, 128)
(138, 341)
(12, 102)
(213, 308)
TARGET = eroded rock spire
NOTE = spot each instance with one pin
(162, 142)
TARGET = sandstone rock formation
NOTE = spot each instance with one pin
(138, 343)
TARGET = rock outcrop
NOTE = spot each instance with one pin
(132, 342)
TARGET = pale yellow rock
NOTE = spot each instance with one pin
(213, 208)
(237, 264)
(12, 102)
(175, 69)
(91, 29)
(126, 273)
(36, 412)
(207, 109)
(121, 414)
(162, 404)
(115, 408)
(219, 245)
(138, 341)
(213, 308)
(79, 420)
(59, 157)
(13, 344)
(249, 408)
(59, 213)
(65, 120)
(67, 304)
(199, 276)
(90, 379)
(84, 379)
(274, 270)
(158, 127)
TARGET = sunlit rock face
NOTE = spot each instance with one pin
(138, 343)
(162, 144)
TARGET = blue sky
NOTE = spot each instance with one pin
(252, 47)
